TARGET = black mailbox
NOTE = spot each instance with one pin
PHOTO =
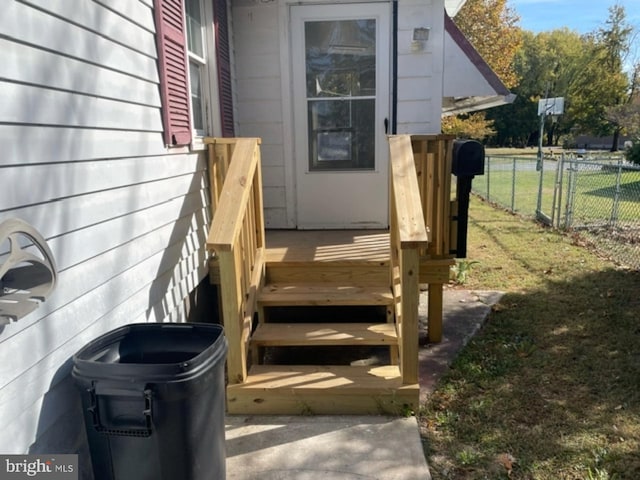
(467, 162)
(468, 158)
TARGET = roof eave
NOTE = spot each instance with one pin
(456, 106)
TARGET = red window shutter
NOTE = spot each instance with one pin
(223, 57)
(173, 65)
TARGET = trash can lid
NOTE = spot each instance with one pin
(152, 352)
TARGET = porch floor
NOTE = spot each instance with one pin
(327, 245)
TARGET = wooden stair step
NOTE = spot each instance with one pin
(356, 272)
(324, 295)
(324, 334)
(311, 389)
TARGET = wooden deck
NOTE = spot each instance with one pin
(308, 275)
(327, 246)
(300, 308)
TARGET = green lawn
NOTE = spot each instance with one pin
(550, 387)
(594, 190)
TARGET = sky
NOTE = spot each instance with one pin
(582, 16)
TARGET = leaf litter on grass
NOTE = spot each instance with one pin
(554, 375)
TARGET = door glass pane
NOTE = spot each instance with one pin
(341, 134)
(340, 59)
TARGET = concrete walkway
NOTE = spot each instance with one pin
(354, 447)
(324, 447)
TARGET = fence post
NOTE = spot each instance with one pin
(541, 170)
(571, 195)
(560, 185)
(513, 186)
(616, 198)
(488, 180)
(555, 195)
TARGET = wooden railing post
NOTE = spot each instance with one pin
(432, 155)
(408, 236)
(420, 223)
(233, 314)
(237, 237)
(410, 267)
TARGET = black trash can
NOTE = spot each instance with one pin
(153, 401)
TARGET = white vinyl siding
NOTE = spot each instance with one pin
(84, 162)
(261, 64)
(420, 73)
(259, 110)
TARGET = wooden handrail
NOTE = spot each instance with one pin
(408, 234)
(235, 194)
(237, 237)
(419, 218)
(407, 203)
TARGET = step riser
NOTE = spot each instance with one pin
(324, 334)
(300, 390)
(279, 295)
(401, 402)
(322, 273)
(334, 314)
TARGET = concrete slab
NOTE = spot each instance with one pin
(324, 447)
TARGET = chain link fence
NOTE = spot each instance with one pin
(598, 198)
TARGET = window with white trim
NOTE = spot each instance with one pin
(198, 74)
(189, 54)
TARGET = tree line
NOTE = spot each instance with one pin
(594, 72)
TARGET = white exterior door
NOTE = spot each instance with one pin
(341, 75)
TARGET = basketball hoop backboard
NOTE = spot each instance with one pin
(551, 106)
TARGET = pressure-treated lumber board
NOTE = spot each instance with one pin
(359, 273)
(327, 294)
(411, 227)
(435, 270)
(287, 246)
(409, 270)
(308, 389)
(235, 195)
(324, 334)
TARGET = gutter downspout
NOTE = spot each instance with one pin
(394, 71)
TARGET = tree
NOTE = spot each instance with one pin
(587, 70)
(549, 65)
(605, 83)
(492, 27)
(627, 116)
(474, 126)
(515, 124)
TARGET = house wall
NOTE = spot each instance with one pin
(83, 161)
(259, 100)
(420, 73)
(263, 85)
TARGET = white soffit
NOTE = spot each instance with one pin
(453, 6)
(469, 83)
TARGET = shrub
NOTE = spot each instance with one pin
(632, 153)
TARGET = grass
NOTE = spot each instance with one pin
(550, 388)
(594, 190)
(500, 183)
